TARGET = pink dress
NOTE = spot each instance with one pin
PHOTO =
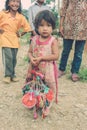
(48, 68)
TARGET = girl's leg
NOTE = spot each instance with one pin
(79, 47)
(14, 55)
(7, 61)
(67, 46)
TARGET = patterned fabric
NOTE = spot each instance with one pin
(75, 23)
(46, 68)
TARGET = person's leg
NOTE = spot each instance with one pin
(79, 47)
(7, 63)
(67, 46)
(14, 55)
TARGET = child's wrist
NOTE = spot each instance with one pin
(41, 58)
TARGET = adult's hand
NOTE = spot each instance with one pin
(61, 31)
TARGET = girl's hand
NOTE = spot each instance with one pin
(33, 33)
(61, 31)
(33, 61)
(37, 60)
(18, 34)
(1, 31)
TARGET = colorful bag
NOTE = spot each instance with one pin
(36, 93)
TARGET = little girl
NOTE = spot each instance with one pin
(43, 51)
(11, 20)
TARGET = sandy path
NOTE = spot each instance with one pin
(69, 114)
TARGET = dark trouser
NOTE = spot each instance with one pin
(67, 46)
(9, 61)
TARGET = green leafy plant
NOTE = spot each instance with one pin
(83, 74)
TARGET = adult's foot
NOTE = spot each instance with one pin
(60, 73)
(74, 77)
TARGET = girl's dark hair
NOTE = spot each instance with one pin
(8, 8)
(47, 16)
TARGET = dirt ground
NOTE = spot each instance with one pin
(69, 114)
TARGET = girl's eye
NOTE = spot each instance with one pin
(41, 25)
(49, 25)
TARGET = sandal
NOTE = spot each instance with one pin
(35, 115)
(74, 77)
(45, 112)
(60, 73)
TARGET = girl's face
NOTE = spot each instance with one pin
(45, 29)
(14, 4)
